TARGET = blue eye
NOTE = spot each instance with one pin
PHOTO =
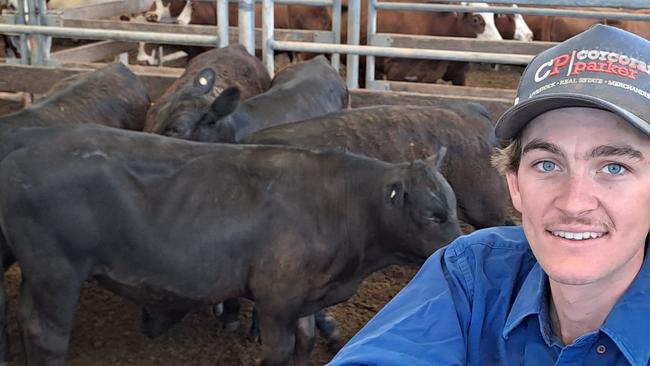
(615, 169)
(546, 166)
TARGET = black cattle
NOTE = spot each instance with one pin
(300, 91)
(403, 133)
(205, 77)
(176, 223)
(111, 96)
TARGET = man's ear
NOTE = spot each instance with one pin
(513, 187)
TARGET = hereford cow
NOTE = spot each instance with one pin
(168, 222)
(111, 96)
(426, 24)
(513, 26)
(300, 91)
(558, 29)
(204, 13)
(221, 68)
(164, 10)
(403, 133)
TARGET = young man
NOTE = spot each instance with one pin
(572, 285)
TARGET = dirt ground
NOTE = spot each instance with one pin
(106, 330)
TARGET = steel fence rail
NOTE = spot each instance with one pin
(117, 35)
(511, 10)
(632, 4)
(402, 52)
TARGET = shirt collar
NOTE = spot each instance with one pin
(628, 324)
(530, 300)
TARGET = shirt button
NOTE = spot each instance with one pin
(601, 349)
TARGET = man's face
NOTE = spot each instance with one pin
(583, 189)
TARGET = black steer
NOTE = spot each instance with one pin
(204, 78)
(176, 223)
(404, 133)
(111, 96)
(300, 91)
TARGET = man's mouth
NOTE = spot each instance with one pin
(578, 235)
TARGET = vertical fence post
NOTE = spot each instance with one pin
(268, 24)
(34, 54)
(44, 43)
(247, 25)
(354, 23)
(372, 29)
(22, 19)
(222, 22)
(336, 31)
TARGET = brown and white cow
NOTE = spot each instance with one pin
(204, 13)
(513, 26)
(558, 29)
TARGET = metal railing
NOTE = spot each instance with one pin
(33, 23)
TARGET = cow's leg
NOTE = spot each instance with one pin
(456, 72)
(230, 315)
(7, 261)
(157, 320)
(278, 334)
(48, 297)
(305, 339)
(327, 326)
(254, 333)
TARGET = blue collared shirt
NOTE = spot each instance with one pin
(483, 300)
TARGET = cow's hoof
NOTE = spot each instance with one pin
(332, 337)
(255, 338)
(217, 309)
(231, 326)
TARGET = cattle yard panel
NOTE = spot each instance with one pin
(379, 45)
(511, 55)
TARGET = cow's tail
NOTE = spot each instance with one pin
(7, 258)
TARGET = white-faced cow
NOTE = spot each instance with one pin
(172, 222)
(513, 26)
(205, 77)
(300, 91)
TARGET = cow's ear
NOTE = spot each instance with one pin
(204, 81)
(226, 103)
(395, 194)
(435, 161)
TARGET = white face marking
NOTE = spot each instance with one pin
(491, 33)
(186, 15)
(161, 11)
(522, 31)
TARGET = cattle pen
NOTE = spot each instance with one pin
(107, 330)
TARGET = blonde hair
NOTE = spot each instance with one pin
(507, 157)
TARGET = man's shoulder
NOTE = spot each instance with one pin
(496, 253)
(486, 241)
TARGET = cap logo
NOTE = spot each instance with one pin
(598, 61)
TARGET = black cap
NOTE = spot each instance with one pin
(603, 67)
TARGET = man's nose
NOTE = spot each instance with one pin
(576, 196)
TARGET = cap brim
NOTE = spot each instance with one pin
(515, 118)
